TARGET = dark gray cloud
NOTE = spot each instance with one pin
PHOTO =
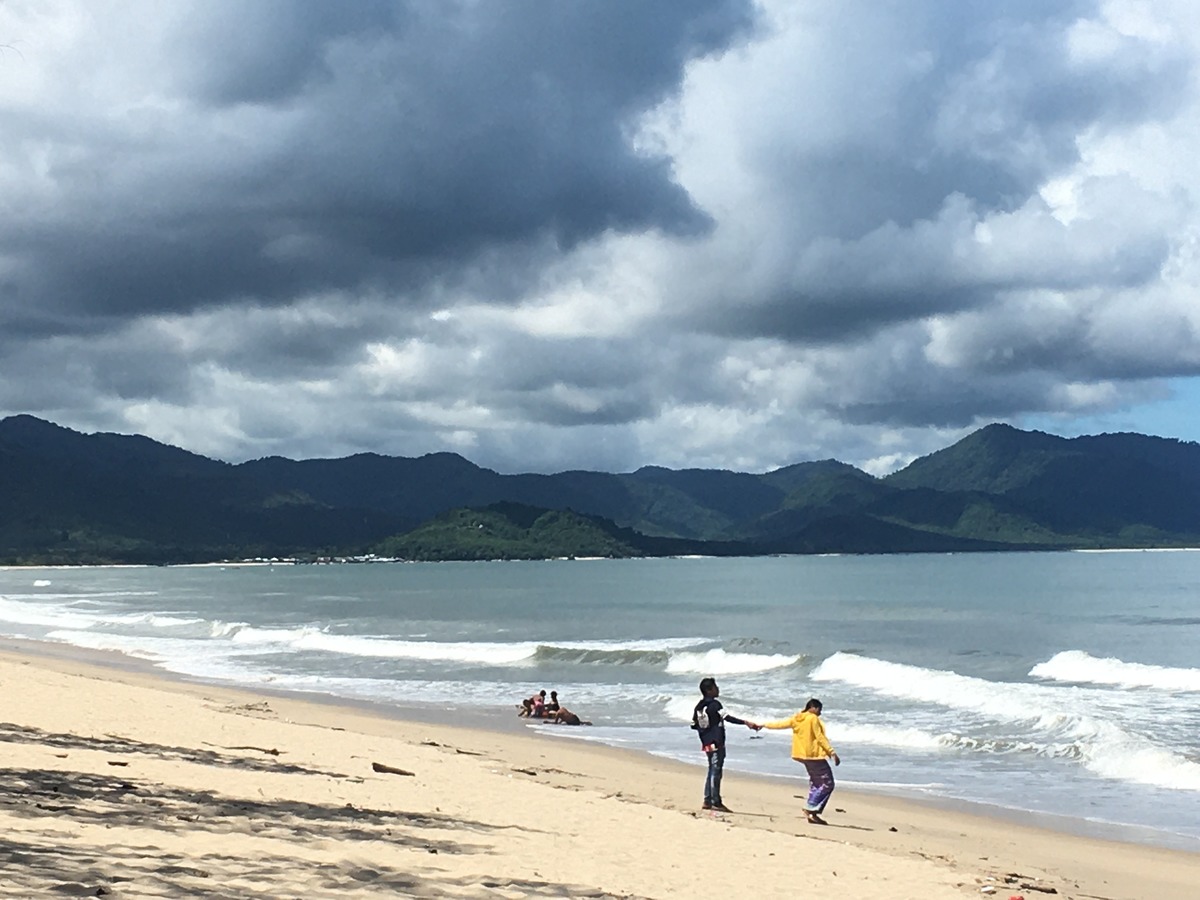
(552, 235)
(268, 52)
(293, 148)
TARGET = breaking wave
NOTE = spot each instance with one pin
(722, 662)
(1078, 667)
(1048, 716)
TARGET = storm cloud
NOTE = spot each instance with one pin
(596, 234)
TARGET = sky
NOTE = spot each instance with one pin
(600, 234)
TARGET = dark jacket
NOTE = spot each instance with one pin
(709, 718)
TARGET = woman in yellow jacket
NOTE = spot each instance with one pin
(811, 747)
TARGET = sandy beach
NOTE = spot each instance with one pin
(121, 782)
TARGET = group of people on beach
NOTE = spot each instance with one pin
(550, 711)
(810, 748)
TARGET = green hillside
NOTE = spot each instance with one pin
(507, 531)
(67, 497)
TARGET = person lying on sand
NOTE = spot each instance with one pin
(564, 717)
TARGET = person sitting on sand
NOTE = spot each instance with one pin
(534, 707)
(564, 717)
(811, 748)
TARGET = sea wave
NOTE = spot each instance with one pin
(1004, 702)
(220, 629)
(314, 638)
(887, 736)
(679, 708)
(672, 655)
(657, 652)
(153, 620)
(1076, 666)
(1054, 726)
(722, 662)
(1169, 621)
(587, 656)
(18, 612)
(156, 649)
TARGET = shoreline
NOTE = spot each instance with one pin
(598, 807)
(368, 560)
(499, 721)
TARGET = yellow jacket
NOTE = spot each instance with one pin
(808, 735)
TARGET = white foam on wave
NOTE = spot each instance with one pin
(905, 786)
(82, 612)
(153, 620)
(1076, 666)
(313, 638)
(19, 612)
(1004, 702)
(219, 629)
(862, 733)
(198, 657)
(887, 736)
(1103, 747)
(679, 709)
(155, 649)
(242, 638)
(41, 582)
(210, 660)
(722, 662)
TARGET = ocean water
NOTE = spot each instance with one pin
(1060, 683)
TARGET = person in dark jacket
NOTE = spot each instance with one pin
(708, 720)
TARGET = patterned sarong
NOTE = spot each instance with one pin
(820, 783)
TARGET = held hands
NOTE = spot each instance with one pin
(753, 726)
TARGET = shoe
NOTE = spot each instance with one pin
(707, 805)
(815, 819)
(721, 807)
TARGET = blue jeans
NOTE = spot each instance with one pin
(712, 784)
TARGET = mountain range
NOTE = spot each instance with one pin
(68, 497)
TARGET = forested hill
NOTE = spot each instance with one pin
(72, 497)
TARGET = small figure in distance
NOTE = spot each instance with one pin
(534, 707)
(552, 704)
(708, 720)
(811, 749)
(563, 716)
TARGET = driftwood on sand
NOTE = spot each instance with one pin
(390, 770)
